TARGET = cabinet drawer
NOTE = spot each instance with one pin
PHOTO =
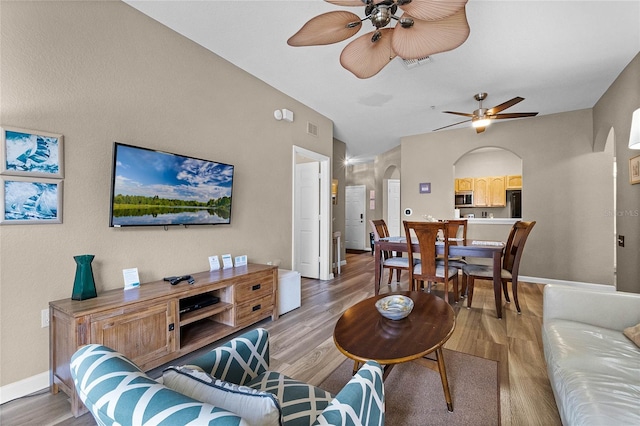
(252, 311)
(254, 289)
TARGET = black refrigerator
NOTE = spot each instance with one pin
(515, 202)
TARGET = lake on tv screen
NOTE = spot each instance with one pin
(170, 216)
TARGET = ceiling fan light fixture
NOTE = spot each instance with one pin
(380, 15)
(480, 122)
(406, 22)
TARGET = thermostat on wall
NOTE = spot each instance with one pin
(408, 212)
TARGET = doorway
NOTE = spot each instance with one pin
(393, 206)
(311, 233)
(354, 217)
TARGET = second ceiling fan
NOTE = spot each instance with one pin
(482, 117)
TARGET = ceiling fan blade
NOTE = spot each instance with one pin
(347, 2)
(514, 115)
(365, 58)
(328, 28)
(480, 129)
(430, 10)
(426, 38)
(451, 125)
(496, 109)
(465, 114)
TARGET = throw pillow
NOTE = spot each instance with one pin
(256, 407)
(633, 333)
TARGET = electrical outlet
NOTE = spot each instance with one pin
(44, 318)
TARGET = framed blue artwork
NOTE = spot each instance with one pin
(30, 200)
(31, 153)
(425, 188)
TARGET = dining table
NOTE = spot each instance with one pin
(457, 247)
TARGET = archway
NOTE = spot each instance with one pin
(489, 183)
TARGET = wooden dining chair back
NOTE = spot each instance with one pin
(515, 245)
(389, 261)
(510, 264)
(455, 226)
(426, 268)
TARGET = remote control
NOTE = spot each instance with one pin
(176, 280)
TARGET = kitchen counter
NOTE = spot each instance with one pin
(494, 221)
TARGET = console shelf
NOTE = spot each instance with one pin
(145, 323)
(189, 317)
(202, 333)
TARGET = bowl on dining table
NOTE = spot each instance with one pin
(395, 307)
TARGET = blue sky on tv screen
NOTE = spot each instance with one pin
(150, 173)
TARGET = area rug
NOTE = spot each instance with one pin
(414, 395)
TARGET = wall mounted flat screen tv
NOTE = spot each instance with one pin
(155, 188)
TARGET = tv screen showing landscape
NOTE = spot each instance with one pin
(158, 188)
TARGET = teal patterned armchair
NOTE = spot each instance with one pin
(228, 386)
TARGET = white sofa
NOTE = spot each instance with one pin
(593, 367)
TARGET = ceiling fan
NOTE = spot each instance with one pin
(426, 27)
(482, 117)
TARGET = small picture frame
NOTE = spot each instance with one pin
(240, 260)
(634, 170)
(425, 188)
(31, 153)
(227, 261)
(214, 263)
(131, 278)
(30, 201)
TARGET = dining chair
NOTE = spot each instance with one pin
(510, 264)
(457, 230)
(455, 226)
(389, 261)
(427, 268)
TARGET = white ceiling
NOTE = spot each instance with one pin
(558, 55)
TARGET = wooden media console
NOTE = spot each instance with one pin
(145, 323)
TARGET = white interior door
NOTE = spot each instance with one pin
(307, 219)
(393, 206)
(354, 217)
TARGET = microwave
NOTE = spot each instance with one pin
(464, 199)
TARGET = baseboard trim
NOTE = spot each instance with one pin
(602, 287)
(24, 387)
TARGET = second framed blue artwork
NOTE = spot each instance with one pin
(425, 188)
(31, 153)
(25, 200)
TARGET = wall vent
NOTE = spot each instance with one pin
(412, 63)
(312, 129)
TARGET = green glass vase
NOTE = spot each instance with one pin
(84, 286)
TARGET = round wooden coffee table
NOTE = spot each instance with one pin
(363, 334)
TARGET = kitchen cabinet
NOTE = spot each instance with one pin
(464, 185)
(514, 182)
(490, 191)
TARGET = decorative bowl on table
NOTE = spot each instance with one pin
(395, 307)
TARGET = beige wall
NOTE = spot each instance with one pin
(613, 111)
(568, 190)
(338, 211)
(99, 72)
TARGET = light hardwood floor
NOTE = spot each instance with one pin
(302, 346)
